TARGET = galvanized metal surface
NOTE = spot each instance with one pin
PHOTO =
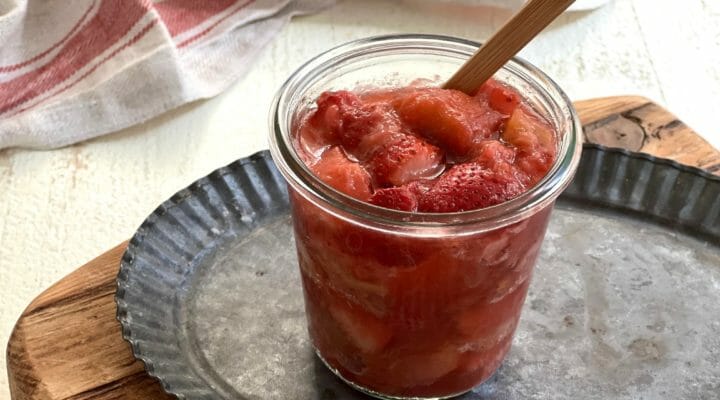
(619, 307)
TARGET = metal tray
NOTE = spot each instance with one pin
(624, 303)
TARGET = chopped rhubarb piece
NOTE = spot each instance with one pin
(335, 169)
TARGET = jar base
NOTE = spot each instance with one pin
(377, 395)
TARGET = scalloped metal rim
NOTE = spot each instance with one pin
(135, 246)
(602, 179)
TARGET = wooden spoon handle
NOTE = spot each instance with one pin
(508, 41)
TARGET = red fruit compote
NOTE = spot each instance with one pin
(418, 211)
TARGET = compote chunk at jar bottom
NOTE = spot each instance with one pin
(419, 316)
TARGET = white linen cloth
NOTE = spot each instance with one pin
(71, 70)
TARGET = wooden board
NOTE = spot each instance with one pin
(67, 343)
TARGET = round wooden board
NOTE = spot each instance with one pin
(67, 343)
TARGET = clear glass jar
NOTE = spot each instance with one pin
(414, 305)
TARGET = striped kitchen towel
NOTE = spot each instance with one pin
(71, 70)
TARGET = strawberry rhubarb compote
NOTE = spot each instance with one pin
(419, 317)
(427, 149)
(418, 212)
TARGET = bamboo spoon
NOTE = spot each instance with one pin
(505, 43)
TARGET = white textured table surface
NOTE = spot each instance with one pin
(59, 209)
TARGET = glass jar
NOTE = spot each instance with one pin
(414, 305)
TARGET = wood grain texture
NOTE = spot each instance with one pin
(532, 18)
(68, 345)
(637, 124)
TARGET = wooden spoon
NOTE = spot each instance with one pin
(508, 41)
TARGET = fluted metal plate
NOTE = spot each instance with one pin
(624, 303)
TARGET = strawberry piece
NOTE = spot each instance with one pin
(366, 332)
(360, 122)
(404, 158)
(534, 166)
(336, 170)
(500, 97)
(341, 117)
(500, 158)
(448, 118)
(321, 129)
(327, 120)
(377, 138)
(469, 186)
(490, 153)
(397, 198)
(360, 126)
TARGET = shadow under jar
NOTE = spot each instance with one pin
(414, 305)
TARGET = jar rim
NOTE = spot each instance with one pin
(300, 178)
